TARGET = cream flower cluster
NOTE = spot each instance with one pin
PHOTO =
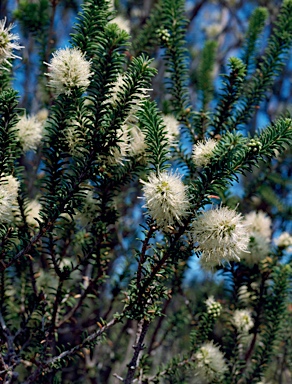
(33, 212)
(123, 147)
(131, 138)
(259, 222)
(166, 198)
(68, 70)
(172, 128)
(89, 209)
(210, 363)
(8, 42)
(9, 187)
(213, 307)
(284, 241)
(258, 225)
(242, 320)
(138, 143)
(75, 140)
(117, 88)
(30, 132)
(75, 135)
(220, 234)
(203, 151)
(122, 23)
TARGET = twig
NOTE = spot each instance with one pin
(13, 360)
(118, 377)
(142, 330)
(143, 254)
(48, 365)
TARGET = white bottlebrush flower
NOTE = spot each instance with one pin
(88, 210)
(203, 151)
(42, 115)
(9, 187)
(220, 234)
(30, 132)
(166, 198)
(208, 265)
(122, 23)
(138, 144)
(259, 222)
(33, 212)
(115, 89)
(68, 70)
(12, 184)
(137, 98)
(209, 363)
(284, 241)
(172, 128)
(118, 153)
(75, 140)
(242, 320)
(258, 248)
(8, 42)
(213, 307)
(75, 136)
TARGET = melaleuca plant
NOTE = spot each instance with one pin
(120, 182)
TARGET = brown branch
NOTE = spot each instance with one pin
(143, 254)
(50, 40)
(138, 348)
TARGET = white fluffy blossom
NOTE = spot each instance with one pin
(118, 153)
(115, 89)
(33, 212)
(172, 128)
(9, 187)
(42, 115)
(284, 240)
(242, 320)
(138, 144)
(220, 234)
(75, 140)
(132, 138)
(203, 151)
(258, 248)
(166, 198)
(75, 135)
(210, 363)
(88, 210)
(30, 131)
(68, 70)
(259, 222)
(213, 307)
(8, 42)
(122, 23)
(137, 98)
